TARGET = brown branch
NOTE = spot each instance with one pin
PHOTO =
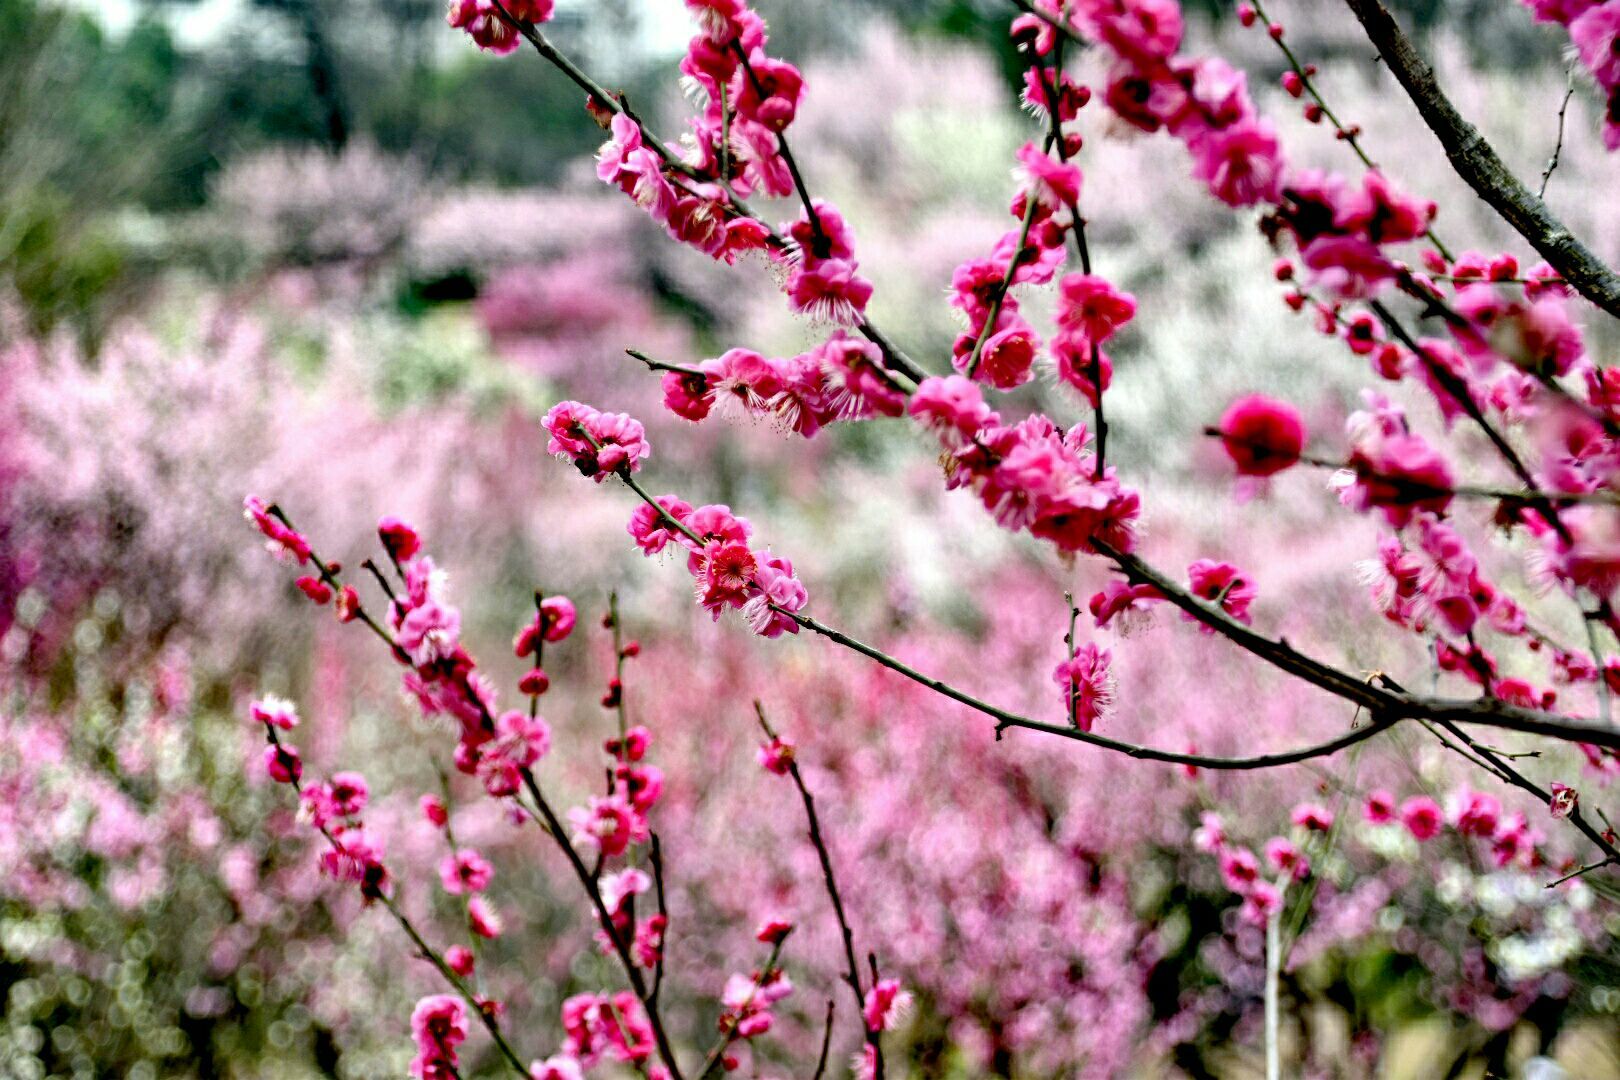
(852, 974)
(826, 1042)
(1478, 164)
(427, 951)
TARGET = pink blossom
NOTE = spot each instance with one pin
(1422, 817)
(688, 394)
(609, 825)
(349, 793)
(313, 587)
(1087, 370)
(828, 289)
(651, 530)
(556, 1067)
(618, 888)
(1398, 475)
(855, 382)
(1210, 835)
(823, 281)
(400, 540)
(1261, 902)
(1587, 553)
(1383, 214)
(1284, 858)
(483, 23)
(1053, 184)
(1596, 35)
(1261, 435)
(770, 97)
(283, 541)
(1143, 31)
(434, 811)
(598, 443)
(1514, 841)
(774, 931)
(429, 632)
(780, 595)
(953, 406)
(1242, 163)
(1007, 357)
(483, 919)
(643, 786)
(1087, 685)
(439, 1026)
(1312, 816)
(1379, 807)
(1477, 814)
(1348, 266)
(1239, 869)
(1224, 585)
(1564, 800)
(886, 1005)
(274, 712)
(460, 959)
(1092, 308)
(282, 763)
(776, 756)
(1121, 600)
(634, 168)
(465, 871)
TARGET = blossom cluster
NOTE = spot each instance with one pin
(737, 146)
(422, 631)
(843, 378)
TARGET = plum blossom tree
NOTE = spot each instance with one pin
(1497, 562)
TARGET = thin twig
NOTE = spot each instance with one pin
(1558, 147)
(852, 973)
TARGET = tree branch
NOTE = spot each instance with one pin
(1478, 164)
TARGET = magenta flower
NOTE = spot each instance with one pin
(282, 763)
(1261, 435)
(1090, 306)
(1087, 684)
(1242, 163)
(951, 406)
(482, 22)
(1224, 585)
(1422, 817)
(1379, 808)
(465, 871)
(776, 756)
(274, 712)
(609, 825)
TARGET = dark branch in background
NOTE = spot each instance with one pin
(1495, 762)
(826, 1042)
(1477, 163)
(852, 974)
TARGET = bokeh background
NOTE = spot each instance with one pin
(328, 253)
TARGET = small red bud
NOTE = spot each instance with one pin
(1313, 113)
(534, 682)
(1245, 14)
(1275, 30)
(1292, 83)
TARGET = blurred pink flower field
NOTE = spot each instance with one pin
(920, 730)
